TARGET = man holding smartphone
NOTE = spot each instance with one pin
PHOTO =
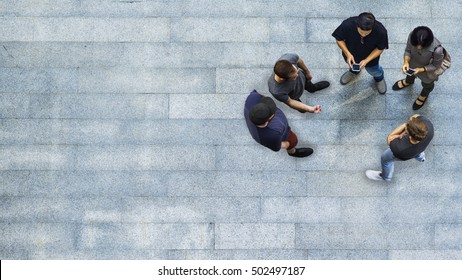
(362, 40)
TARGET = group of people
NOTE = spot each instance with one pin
(362, 39)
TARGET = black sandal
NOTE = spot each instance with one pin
(397, 87)
(416, 106)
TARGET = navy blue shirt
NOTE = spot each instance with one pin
(272, 135)
(361, 49)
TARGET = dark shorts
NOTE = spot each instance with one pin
(293, 140)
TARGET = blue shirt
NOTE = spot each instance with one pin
(274, 133)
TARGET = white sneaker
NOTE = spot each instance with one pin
(375, 175)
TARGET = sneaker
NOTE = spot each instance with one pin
(375, 175)
(347, 77)
(382, 86)
(321, 85)
(302, 152)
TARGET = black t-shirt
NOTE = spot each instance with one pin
(377, 39)
(404, 149)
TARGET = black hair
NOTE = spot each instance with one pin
(283, 68)
(366, 21)
(422, 36)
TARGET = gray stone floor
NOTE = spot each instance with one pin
(122, 135)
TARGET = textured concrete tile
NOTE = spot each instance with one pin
(449, 157)
(229, 183)
(453, 12)
(254, 158)
(100, 106)
(316, 132)
(95, 184)
(192, 210)
(75, 29)
(319, 30)
(425, 254)
(366, 132)
(241, 254)
(40, 8)
(35, 158)
(448, 236)
(140, 80)
(347, 254)
(242, 80)
(364, 210)
(144, 158)
(301, 210)
(13, 106)
(34, 210)
(206, 106)
(342, 158)
(344, 184)
(423, 184)
(23, 240)
(364, 236)
(61, 54)
(425, 209)
(146, 236)
(14, 183)
(287, 30)
(254, 236)
(220, 30)
(175, 54)
(102, 8)
(38, 80)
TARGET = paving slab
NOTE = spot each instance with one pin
(122, 134)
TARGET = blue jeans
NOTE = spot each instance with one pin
(388, 163)
(375, 71)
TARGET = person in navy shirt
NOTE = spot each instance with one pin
(268, 125)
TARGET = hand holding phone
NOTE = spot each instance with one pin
(410, 72)
(356, 67)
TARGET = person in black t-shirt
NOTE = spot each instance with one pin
(268, 125)
(362, 40)
(407, 141)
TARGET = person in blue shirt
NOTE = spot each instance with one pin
(268, 125)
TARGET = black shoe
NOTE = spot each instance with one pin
(302, 152)
(416, 106)
(319, 86)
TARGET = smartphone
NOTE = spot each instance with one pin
(356, 67)
(410, 72)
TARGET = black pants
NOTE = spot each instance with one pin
(310, 87)
(426, 88)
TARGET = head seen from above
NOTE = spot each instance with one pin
(285, 70)
(421, 37)
(262, 113)
(416, 129)
(365, 23)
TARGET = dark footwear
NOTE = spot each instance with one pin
(399, 85)
(302, 152)
(416, 105)
(381, 86)
(347, 77)
(321, 85)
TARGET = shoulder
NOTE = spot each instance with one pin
(379, 28)
(292, 57)
(253, 98)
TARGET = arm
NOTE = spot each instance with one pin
(285, 145)
(303, 107)
(350, 59)
(438, 56)
(301, 64)
(397, 133)
(374, 54)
